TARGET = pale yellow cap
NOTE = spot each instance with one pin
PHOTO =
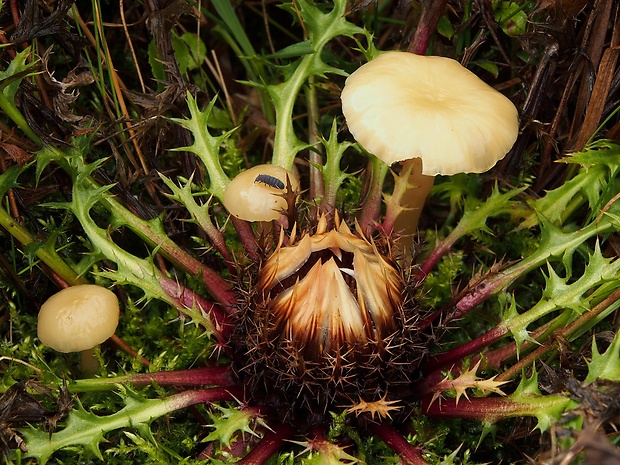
(401, 106)
(257, 194)
(78, 318)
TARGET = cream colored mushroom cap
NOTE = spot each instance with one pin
(78, 318)
(401, 106)
(257, 194)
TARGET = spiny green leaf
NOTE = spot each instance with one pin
(43, 158)
(86, 430)
(519, 333)
(476, 214)
(330, 454)
(603, 152)
(558, 294)
(607, 364)
(298, 49)
(82, 429)
(592, 184)
(184, 194)
(527, 386)
(8, 179)
(487, 428)
(229, 422)
(206, 146)
(546, 408)
(557, 243)
(333, 175)
(324, 452)
(71, 158)
(323, 22)
(322, 26)
(18, 69)
(558, 204)
(30, 250)
(156, 452)
(558, 291)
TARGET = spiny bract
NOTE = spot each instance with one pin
(330, 321)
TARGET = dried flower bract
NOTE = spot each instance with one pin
(320, 325)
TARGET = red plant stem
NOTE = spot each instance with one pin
(485, 409)
(269, 445)
(492, 359)
(431, 12)
(528, 361)
(557, 329)
(206, 376)
(467, 302)
(489, 409)
(246, 236)
(458, 353)
(191, 299)
(219, 243)
(214, 376)
(202, 396)
(482, 292)
(371, 206)
(489, 286)
(410, 455)
(216, 285)
(429, 263)
(496, 358)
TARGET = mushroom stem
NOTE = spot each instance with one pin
(405, 205)
(89, 363)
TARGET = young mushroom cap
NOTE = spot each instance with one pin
(78, 318)
(401, 106)
(259, 193)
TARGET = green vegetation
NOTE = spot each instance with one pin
(120, 129)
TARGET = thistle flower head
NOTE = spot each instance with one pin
(323, 318)
(329, 292)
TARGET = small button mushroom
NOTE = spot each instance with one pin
(259, 193)
(78, 318)
(430, 113)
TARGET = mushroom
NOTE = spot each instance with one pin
(77, 319)
(260, 193)
(433, 115)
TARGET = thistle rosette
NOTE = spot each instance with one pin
(319, 327)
